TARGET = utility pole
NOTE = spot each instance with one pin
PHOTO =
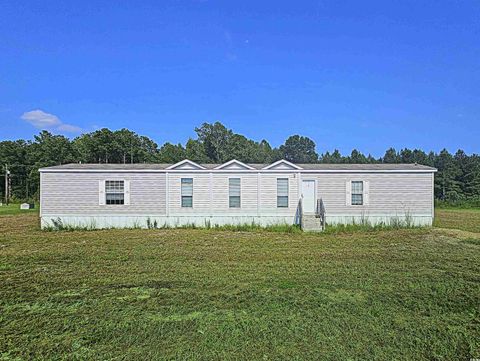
(7, 185)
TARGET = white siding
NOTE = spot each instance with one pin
(78, 193)
(388, 193)
(268, 193)
(201, 193)
(248, 183)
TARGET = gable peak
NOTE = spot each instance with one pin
(282, 164)
(186, 164)
(234, 164)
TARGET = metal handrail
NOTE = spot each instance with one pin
(300, 211)
(320, 212)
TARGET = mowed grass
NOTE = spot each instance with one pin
(204, 294)
(464, 219)
(14, 208)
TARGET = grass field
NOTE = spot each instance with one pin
(204, 294)
(465, 219)
(14, 208)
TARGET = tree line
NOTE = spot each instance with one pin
(457, 180)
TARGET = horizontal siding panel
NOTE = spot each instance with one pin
(220, 193)
(268, 193)
(201, 193)
(396, 193)
(389, 193)
(77, 193)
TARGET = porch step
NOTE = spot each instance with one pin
(311, 223)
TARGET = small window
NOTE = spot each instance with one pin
(357, 193)
(282, 192)
(115, 192)
(187, 192)
(234, 192)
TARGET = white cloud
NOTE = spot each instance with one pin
(69, 128)
(42, 120)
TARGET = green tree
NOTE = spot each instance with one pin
(14, 155)
(446, 185)
(171, 153)
(220, 145)
(46, 150)
(121, 146)
(391, 156)
(471, 177)
(195, 151)
(357, 157)
(265, 153)
(420, 157)
(299, 149)
(406, 156)
(333, 158)
(129, 147)
(95, 147)
(215, 139)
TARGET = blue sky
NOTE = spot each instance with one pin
(348, 74)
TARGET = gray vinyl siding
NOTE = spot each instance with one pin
(211, 193)
(389, 193)
(268, 193)
(248, 190)
(77, 193)
(201, 193)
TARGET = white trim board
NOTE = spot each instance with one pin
(195, 166)
(234, 161)
(282, 161)
(288, 171)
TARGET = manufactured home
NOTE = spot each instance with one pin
(187, 193)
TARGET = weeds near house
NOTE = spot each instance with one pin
(58, 225)
(365, 225)
(152, 225)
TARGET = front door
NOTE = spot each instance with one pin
(308, 195)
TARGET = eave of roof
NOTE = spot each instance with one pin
(306, 168)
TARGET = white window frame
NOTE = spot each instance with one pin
(288, 192)
(102, 192)
(239, 196)
(361, 202)
(182, 195)
(365, 193)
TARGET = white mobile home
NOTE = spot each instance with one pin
(128, 195)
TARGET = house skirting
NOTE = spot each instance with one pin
(159, 221)
(386, 219)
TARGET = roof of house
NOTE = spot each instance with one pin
(255, 166)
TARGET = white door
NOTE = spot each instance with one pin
(308, 195)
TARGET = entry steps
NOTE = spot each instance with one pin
(311, 223)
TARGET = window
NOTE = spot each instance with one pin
(282, 192)
(187, 192)
(234, 192)
(357, 193)
(114, 192)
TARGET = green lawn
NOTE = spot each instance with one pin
(465, 219)
(14, 208)
(204, 294)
